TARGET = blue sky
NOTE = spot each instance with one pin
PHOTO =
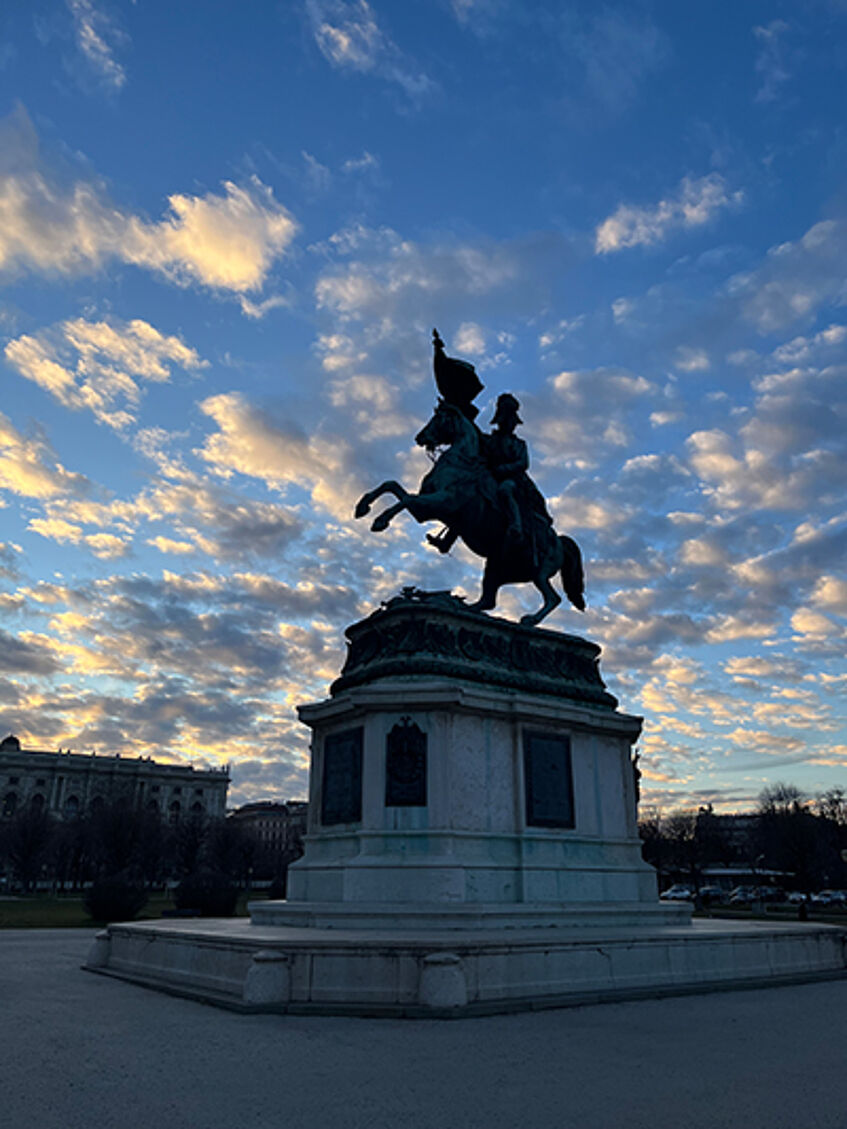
(224, 241)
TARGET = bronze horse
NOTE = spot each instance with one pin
(461, 492)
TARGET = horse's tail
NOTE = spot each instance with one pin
(573, 578)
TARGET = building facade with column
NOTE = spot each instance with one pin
(278, 827)
(68, 785)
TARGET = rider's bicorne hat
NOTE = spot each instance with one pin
(456, 380)
(507, 406)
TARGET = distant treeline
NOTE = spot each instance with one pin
(37, 850)
(803, 839)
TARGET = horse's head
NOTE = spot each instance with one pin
(445, 427)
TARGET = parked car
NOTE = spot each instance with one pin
(742, 895)
(678, 893)
(796, 897)
(712, 895)
(835, 898)
(769, 894)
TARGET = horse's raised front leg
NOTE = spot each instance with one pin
(552, 599)
(381, 521)
(364, 504)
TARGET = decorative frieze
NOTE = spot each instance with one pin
(434, 633)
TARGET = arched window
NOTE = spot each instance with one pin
(37, 802)
(174, 811)
(72, 807)
(152, 806)
(97, 803)
(10, 803)
(197, 808)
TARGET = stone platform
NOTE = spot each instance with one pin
(472, 847)
(472, 971)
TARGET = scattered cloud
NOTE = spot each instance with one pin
(771, 66)
(366, 163)
(587, 412)
(26, 654)
(469, 338)
(690, 359)
(96, 37)
(249, 441)
(100, 365)
(613, 52)
(695, 204)
(391, 277)
(349, 38)
(28, 466)
(227, 242)
(795, 279)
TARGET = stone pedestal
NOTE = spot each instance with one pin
(469, 768)
(472, 847)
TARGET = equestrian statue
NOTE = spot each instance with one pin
(480, 489)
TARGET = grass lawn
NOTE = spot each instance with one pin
(784, 914)
(37, 911)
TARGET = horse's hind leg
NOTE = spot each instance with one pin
(488, 599)
(552, 599)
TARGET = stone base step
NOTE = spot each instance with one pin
(249, 967)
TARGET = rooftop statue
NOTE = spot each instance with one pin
(480, 489)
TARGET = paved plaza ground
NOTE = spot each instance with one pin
(81, 1050)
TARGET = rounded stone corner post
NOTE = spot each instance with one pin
(100, 951)
(443, 983)
(268, 979)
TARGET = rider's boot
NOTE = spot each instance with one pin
(514, 528)
(443, 541)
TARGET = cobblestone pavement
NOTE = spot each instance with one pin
(86, 1051)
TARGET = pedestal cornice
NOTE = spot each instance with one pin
(434, 634)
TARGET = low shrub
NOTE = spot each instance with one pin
(278, 887)
(210, 892)
(116, 898)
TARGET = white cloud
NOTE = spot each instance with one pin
(374, 405)
(801, 350)
(251, 443)
(56, 529)
(469, 338)
(95, 34)
(831, 593)
(753, 477)
(227, 242)
(689, 359)
(813, 624)
(257, 310)
(107, 546)
(770, 62)
(702, 553)
(366, 162)
(349, 38)
(623, 309)
(393, 279)
(98, 365)
(795, 279)
(584, 413)
(696, 202)
(28, 467)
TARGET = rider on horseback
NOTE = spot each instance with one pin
(508, 460)
(480, 489)
(518, 498)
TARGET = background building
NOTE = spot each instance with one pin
(277, 827)
(67, 785)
